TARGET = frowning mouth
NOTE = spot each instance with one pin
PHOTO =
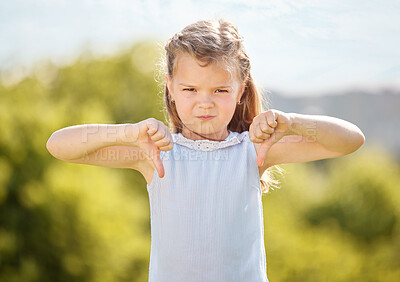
(206, 117)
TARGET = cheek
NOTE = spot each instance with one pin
(183, 107)
(228, 105)
(184, 103)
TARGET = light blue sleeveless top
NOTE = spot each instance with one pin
(206, 213)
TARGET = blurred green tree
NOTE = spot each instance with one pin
(68, 222)
(360, 197)
(335, 220)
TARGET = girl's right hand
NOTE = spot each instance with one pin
(154, 136)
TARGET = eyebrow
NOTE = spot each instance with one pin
(219, 86)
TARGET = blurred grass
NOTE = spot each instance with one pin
(332, 220)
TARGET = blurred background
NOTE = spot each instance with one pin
(73, 62)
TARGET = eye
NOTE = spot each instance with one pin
(189, 89)
(221, 91)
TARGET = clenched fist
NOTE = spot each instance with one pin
(268, 128)
(154, 136)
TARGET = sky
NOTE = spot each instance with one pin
(302, 47)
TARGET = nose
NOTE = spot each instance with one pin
(205, 101)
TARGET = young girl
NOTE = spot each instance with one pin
(204, 170)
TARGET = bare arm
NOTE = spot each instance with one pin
(334, 134)
(300, 138)
(314, 137)
(112, 145)
(81, 140)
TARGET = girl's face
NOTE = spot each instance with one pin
(204, 91)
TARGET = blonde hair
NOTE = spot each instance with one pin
(217, 41)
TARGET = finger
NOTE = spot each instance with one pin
(152, 127)
(160, 135)
(253, 138)
(271, 118)
(166, 138)
(264, 127)
(162, 142)
(167, 147)
(260, 134)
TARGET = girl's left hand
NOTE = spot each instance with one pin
(268, 128)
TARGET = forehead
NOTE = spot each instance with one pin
(189, 69)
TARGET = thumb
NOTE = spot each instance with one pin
(265, 146)
(155, 151)
(158, 163)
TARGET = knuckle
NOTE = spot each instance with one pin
(264, 127)
(158, 136)
(166, 148)
(268, 130)
(259, 132)
(151, 120)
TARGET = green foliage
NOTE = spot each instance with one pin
(360, 198)
(335, 223)
(68, 222)
(334, 220)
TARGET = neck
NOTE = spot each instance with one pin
(190, 134)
